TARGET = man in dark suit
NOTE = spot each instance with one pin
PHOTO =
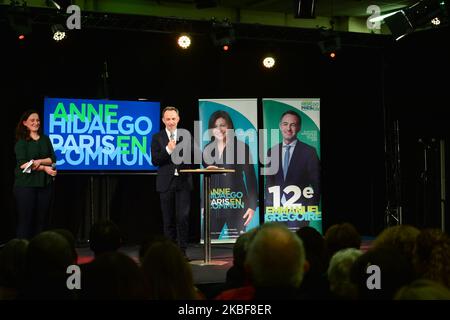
(174, 187)
(299, 166)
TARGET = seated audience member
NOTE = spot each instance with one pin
(104, 237)
(113, 276)
(167, 273)
(391, 271)
(70, 238)
(401, 237)
(432, 256)
(12, 266)
(341, 263)
(147, 243)
(236, 276)
(423, 289)
(341, 236)
(276, 262)
(48, 256)
(315, 283)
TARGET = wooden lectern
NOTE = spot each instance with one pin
(207, 208)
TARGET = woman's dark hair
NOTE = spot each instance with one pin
(23, 132)
(220, 114)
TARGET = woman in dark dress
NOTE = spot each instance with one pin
(233, 196)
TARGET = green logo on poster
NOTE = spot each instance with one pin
(310, 105)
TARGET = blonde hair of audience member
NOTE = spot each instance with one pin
(339, 273)
(402, 238)
(423, 289)
(276, 257)
(168, 274)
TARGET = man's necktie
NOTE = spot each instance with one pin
(286, 161)
(172, 136)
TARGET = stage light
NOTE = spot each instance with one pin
(423, 14)
(330, 44)
(436, 21)
(184, 41)
(60, 5)
(53, 3)
(222, 34)
(269, 62)
(59, 33)
(382, 17)
(305, 9)
(19, 20)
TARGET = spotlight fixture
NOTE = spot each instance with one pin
(330, 44)
(60, 5)
(268, 62)
(436, 21)
(223, 34)
(423, 14)
(184, 41)
(304, 9)
(54, 4)
(19, 20)
(59, 33)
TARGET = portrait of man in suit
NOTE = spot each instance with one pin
(298, 174)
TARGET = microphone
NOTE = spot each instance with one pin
(54, 168)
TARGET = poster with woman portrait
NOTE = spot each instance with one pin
(292, 162)
(229, 140)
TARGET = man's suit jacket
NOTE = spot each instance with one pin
(303, 171)
(166, 169)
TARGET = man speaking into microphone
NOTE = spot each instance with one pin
(174, 188)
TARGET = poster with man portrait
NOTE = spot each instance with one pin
(229, 140)
(292, 162)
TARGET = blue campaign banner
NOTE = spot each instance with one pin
(101, 135)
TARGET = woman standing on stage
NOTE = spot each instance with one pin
(34, 174)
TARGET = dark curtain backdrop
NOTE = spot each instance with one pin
(365, 85)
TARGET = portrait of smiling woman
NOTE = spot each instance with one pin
(236, 209)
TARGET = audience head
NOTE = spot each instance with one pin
(48, 256)
(341, 236)
(104, 237)
(12, 262)
(147, 243)
(339, 273)
(389, 270)
(276, 257)
(314, 245)
(70, 238)
(423, 289)
(240, 248)
(432, 256)
(168, 274)
(113, 275)
(401, 237)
